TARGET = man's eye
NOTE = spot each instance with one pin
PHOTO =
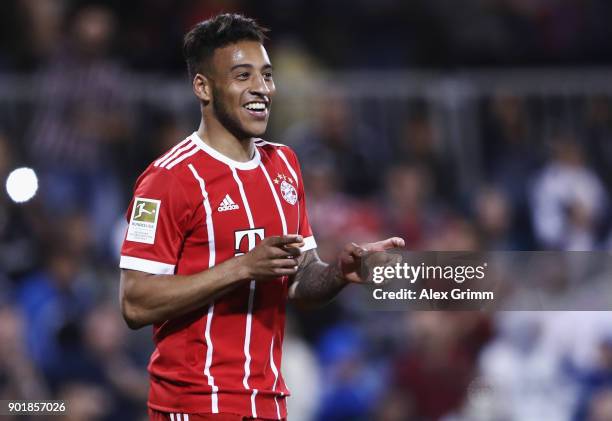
(243, 76)
(268, 75)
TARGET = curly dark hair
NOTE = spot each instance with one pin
(205, 37)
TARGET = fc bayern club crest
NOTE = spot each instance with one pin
(286, 187)
(288, 192)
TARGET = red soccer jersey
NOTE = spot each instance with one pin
(194, 208)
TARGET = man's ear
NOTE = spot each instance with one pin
(202, 88)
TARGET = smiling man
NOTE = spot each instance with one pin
(218, 239)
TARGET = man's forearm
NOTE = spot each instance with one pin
(316, 282)
(147, 299)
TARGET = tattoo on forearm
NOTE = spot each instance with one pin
(316, 281)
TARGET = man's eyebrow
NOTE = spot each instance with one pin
(249, 66)
(236, 66)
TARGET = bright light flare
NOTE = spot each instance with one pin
(22, 184)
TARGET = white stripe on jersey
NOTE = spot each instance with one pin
(297, 182)
(275, 371)
(253, 406)
(265, 142)
(293, 173)
(144, 265)
(247, 208)
(247, 337)
(211, 262)
(183, 157)
(177, 153)
(171, 417)
(171, 151)
(249, 316)
(185, 417)
(209, 352)
(261, 142)
(281, 213)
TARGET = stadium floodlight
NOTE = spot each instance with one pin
(22, 184)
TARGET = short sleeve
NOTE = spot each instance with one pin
(304, 229)
(158, 218)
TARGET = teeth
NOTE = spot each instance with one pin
(256, 106)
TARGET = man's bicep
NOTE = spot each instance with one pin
(129, 279)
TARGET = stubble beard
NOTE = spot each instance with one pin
(227, 120)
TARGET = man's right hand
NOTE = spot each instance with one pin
(274, 257)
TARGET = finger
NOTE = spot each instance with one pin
(356, 250)
(280, 253)
(285, 271)
(389, 243)
(282, 240)
(284, 263)
(294, 249)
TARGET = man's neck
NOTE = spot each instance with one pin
(217, 137)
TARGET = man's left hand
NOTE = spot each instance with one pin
(353, 255)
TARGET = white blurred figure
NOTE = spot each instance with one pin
(568, 200)
(521, 375)
(301, 373)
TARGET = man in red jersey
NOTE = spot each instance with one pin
(218, 238)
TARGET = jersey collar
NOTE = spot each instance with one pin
(248, 165)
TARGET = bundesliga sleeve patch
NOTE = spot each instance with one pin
(143, 222)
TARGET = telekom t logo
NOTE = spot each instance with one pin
(252, 236)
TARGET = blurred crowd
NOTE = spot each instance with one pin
(389, 33)
(61, 333)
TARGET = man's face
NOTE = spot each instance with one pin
(242, 88)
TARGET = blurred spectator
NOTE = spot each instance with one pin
(600, 408)
(595, 385)
(80, 118)
(352, 383)
(86, 402)
(419, 144)
(598, 137)
(30, 32)
(511, 155)
(454, 233)
(430, 377)
(104, 361)
(494, 219)
(525, 375)
(335, 138)
(409, 203)
(44, 20)
(19, 378)
(54, 301)
(568, 200)
(335, 216)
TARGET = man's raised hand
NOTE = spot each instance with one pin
(273, 257)
(354, 255)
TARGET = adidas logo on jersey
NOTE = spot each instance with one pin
(227, 204)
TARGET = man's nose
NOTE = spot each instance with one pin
(261, 86)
